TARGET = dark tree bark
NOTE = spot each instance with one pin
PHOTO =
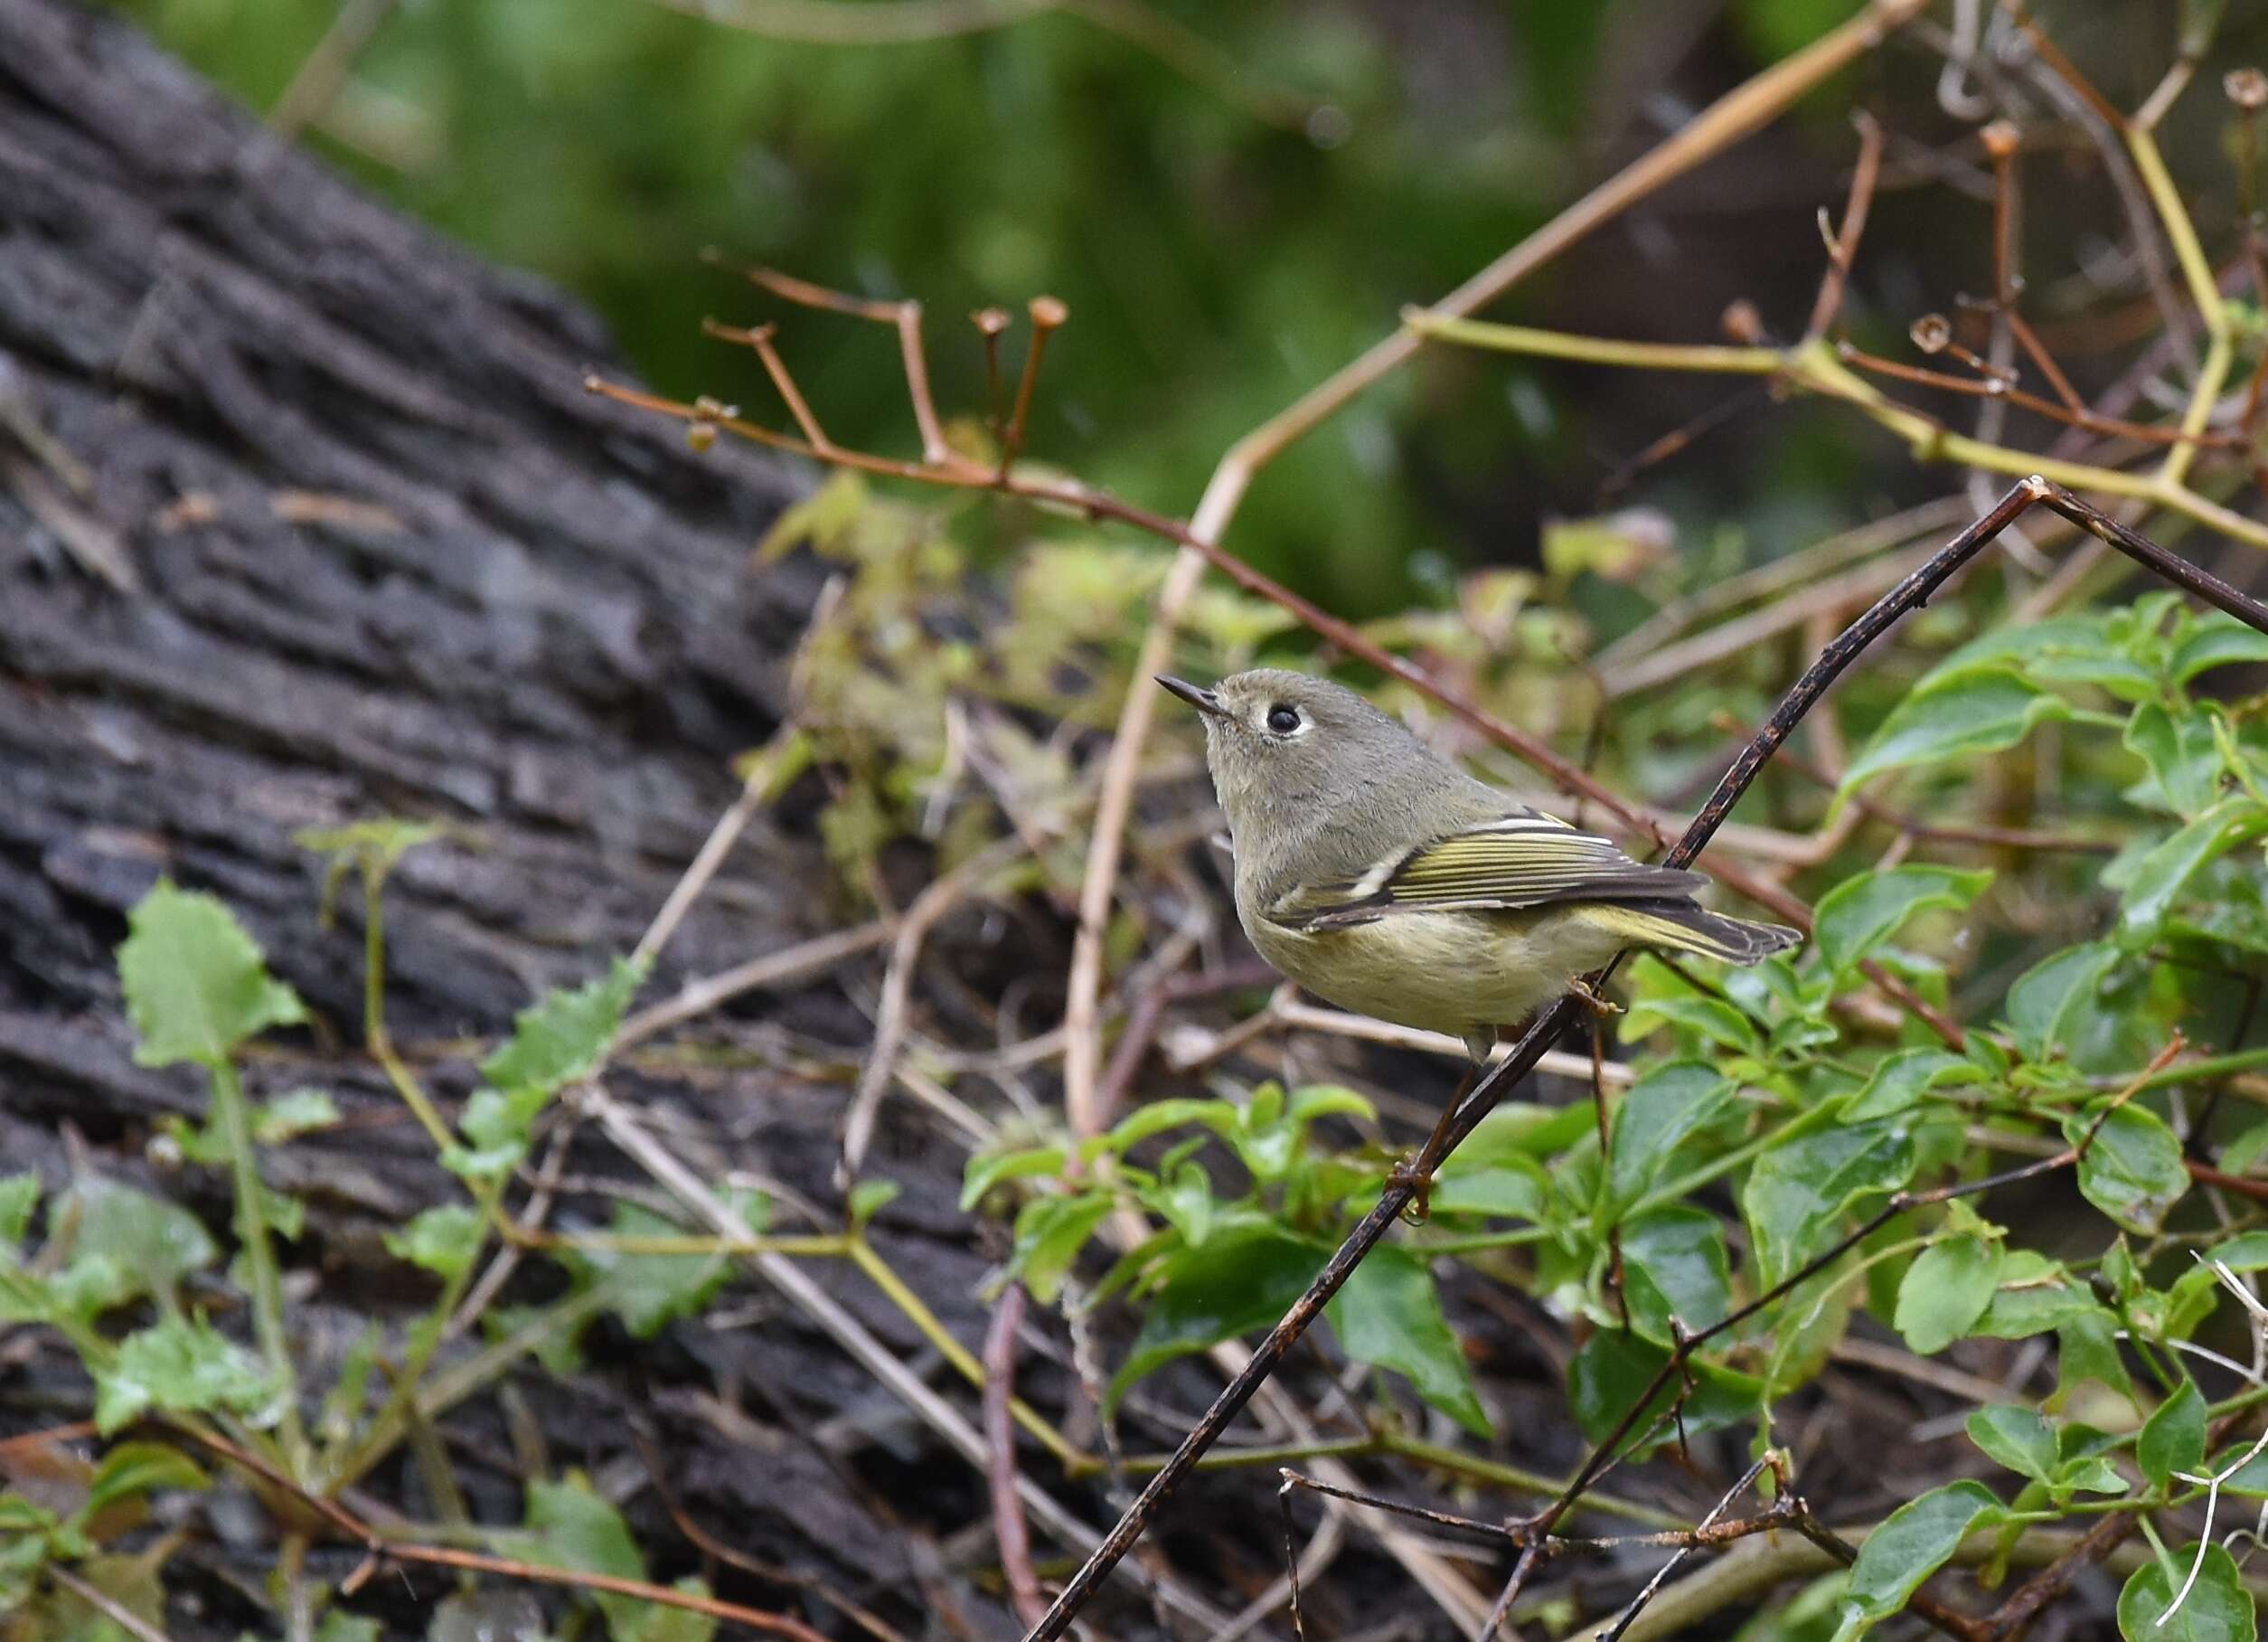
(305, 517)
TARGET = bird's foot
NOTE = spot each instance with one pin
(1583, 995)
(1408, 1176)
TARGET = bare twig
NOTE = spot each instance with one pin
(1910, 594)
(1843, 248)
(940, 896)
(1738, 114)
(1048, 316)
(1000, 1431)
(315, 84)
(107, 1606)
(1638, 1603)
(795, 963)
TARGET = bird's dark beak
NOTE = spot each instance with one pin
(1204, 701)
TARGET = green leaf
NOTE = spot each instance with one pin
(1611, 1373)
(1242, 1279)
(1160, 1116)
(343, 1403)
(1661, 1109)
(1184, 1200)
(2218, 1608)
(2155, 880)
(1858, 914)
(2172, 1439)
(292, 1114)
(2087, 1348)
(124, 1243)
(383, 839)
(274, 1122)
(2021, 1310)
(1317, 1100)
(498, 1124)
(570, 1526)
(1914, 1542)
(134, 1468)
(1799, 1192)
(1900, 1078)
(195, 983)
(340, 1625)
(1951, 714)
(2132, 1170)
(1945, 1290)
(2017, 1438)
(442, 1240)
(1049, 1233)
(870, 1198)
(1389, 1315)
(182, 1366)
(1516, 1186)
(2042, 1000)
(19, 1195)
(987, 1171)
(2217, 640)
(1674, 1265)
(648, 1290)
(2185, 766)
(2250, 1477)
(565, 1034)
(1710, 1019)
(2067, 649)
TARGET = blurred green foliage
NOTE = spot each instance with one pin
(1227, 227)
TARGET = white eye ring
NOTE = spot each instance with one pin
(1285, 721)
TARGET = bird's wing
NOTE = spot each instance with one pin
(1505, 864)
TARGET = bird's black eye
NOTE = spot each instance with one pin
(1282, 720)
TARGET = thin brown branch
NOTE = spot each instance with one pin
(1048, 316)
(1732, 117)
(2000, 143)
(1148, 1011)
(710, 1545)
(107, 1606)
(990, 323)
(2037, 351)
(934, 448)
(1843, 251)
(759, 339)
(2000, 388)
(2051, 55)
(1909, 595)
(382, 1549)
(316, 85)
(1009, 1528)
(941, 896)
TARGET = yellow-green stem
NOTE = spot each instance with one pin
(878, 1271)
(260, 1258)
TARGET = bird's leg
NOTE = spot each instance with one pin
(1417, 1173)
(1580, 991)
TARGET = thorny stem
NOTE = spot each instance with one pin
(1910, 594)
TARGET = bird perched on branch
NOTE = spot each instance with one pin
(1383, 879)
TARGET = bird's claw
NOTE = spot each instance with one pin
(1592, 1001)
(1406, 1175)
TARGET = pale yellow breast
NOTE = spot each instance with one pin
(1441, 971)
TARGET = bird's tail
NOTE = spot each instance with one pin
(1682, 927)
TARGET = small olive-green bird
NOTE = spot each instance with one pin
(1386, 880)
